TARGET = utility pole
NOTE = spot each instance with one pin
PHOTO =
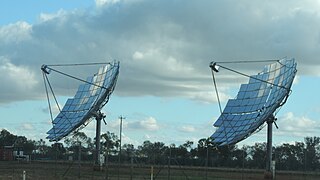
(119, 156)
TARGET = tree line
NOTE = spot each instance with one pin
(302, 156)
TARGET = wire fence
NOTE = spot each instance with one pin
(135, 171)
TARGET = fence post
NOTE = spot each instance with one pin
(273, 169)
(151, 178)
(24, 175)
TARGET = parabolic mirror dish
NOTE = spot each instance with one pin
(88, 100)
(255, 102)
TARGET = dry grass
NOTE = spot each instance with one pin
(70, 170)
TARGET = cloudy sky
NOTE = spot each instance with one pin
(165, 88)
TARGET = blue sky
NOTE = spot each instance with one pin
(165, 88)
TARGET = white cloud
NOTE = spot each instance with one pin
(110, 3)
(209, 96)
(15, 33)
(187, 128)
(100, 3)
(149, 124)
(47, 17)
(137, 55)
(21, 76)
(297, 126)
(165, 52)
(27, 126)
(18, 82)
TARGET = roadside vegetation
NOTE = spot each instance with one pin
(299, 156)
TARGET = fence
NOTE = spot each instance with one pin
(72, 170)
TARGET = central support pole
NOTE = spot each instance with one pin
(98, 149)
(98, 165)
(269, 146)
(268, 173)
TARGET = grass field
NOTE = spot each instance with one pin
(48, 170)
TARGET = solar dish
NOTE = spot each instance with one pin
(255, 102)
(87, 102)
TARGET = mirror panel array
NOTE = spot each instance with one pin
(89, 98)
(255, 102)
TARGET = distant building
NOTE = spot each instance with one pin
(6, 153)
(10, 153)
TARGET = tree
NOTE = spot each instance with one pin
(29, 146)
(184, 149)
(258, 154)
(41, 147)
(6, 138)
(299, 151)
(128, 150)
(75, 141)
(286, 157)
(153, 151)
(57, 151)
(237, 158)
(312, 152)
(110, 142)
(201, 150)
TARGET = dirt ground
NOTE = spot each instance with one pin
(73, 170)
